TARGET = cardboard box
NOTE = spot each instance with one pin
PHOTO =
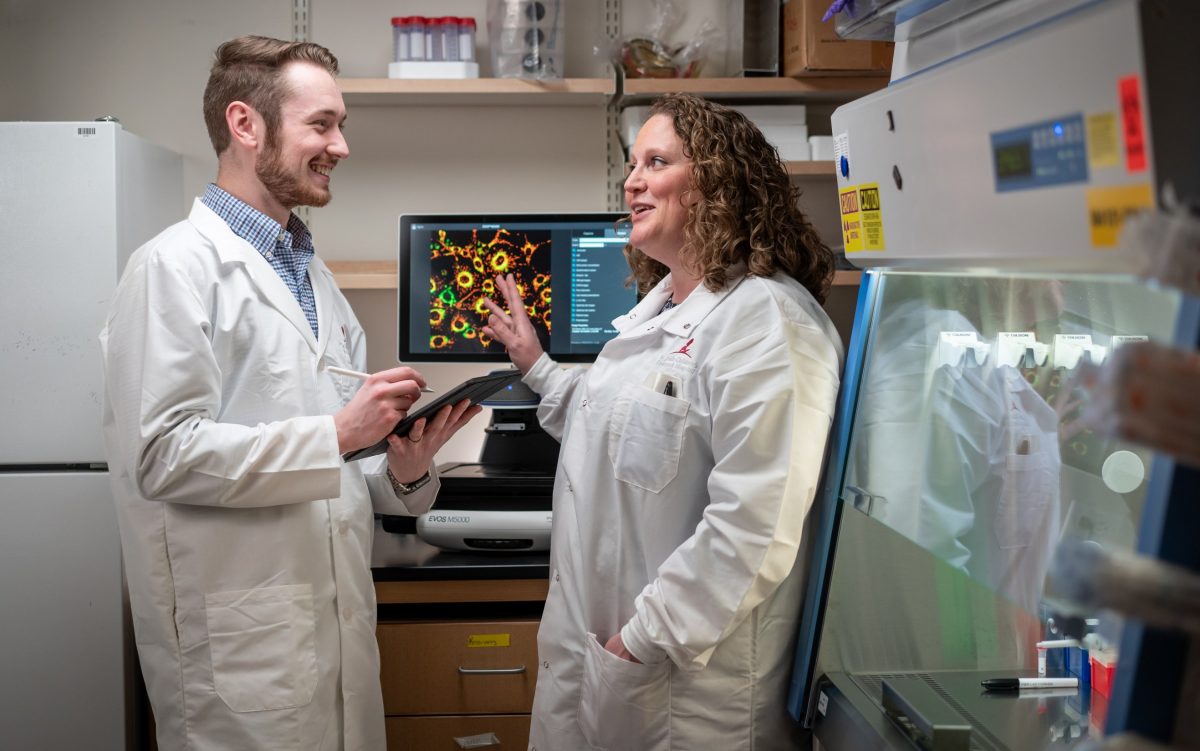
(812, 48)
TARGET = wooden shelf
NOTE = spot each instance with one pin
(382, 275)
(477, 91)
(825, 88)
(364, 274)
(811, 169)
(595, 91)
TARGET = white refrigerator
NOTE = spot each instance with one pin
(75, 200)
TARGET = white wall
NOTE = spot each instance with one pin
(146, 63)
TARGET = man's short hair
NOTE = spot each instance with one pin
(249, 69)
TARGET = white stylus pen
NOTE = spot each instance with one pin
(360, 375)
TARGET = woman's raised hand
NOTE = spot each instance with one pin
(513, 329)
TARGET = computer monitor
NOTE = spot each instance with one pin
(569, 267)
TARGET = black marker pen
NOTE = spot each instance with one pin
(1016, 684)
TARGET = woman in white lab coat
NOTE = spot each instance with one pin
(690, 455)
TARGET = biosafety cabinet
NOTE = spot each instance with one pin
(985, 192)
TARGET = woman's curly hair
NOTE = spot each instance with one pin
(746, 205)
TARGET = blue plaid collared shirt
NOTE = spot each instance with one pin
(289, 251)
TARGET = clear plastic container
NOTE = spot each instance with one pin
(400, 44)
(526, 38)
(466, 39)
(417, 48)
(449, 28)
(434, 48)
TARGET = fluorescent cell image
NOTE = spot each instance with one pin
(464, 265)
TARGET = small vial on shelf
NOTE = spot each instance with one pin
(466, 39)
(433, 39)
(416, 38)
(400, 41)
(449, 26)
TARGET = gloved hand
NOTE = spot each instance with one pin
(837, 7)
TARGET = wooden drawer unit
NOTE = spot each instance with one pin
(499, 731)
(458, 667)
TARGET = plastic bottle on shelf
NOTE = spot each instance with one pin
(466, 39)
(449, 28)
(417, 50)
(434, 50)
(399, 39)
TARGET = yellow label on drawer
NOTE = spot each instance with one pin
(487, 640)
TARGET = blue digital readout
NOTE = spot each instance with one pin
(1053, 152)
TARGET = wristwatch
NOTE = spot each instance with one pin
(404, 488)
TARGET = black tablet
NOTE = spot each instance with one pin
(475, 389)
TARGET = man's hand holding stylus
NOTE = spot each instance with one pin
(382, 401)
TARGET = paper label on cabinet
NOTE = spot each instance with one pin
(1130, 95)
(488, 640)
(1108, 208)
(841, 147)
(1103, 140)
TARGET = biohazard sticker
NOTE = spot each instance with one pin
(862, 218)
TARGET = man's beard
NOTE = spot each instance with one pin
(289, 190)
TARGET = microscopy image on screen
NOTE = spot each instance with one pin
(463, 267)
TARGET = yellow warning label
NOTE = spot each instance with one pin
(852, 233)
(872, 216)
(1103, 140)
(487, 640)
(1109, 207)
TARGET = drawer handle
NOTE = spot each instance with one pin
(491, 671)
(483, 740)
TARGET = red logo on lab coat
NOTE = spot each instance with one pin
(684, 349)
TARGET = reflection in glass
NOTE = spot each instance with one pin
(967, 466)
(961, 454)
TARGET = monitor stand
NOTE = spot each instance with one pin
(514, 440)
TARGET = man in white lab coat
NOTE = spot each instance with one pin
(246, 537)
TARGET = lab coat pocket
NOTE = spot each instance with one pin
(263, 647)
(337, 354)
(647, 435)
(623, 705)
(1029, 486)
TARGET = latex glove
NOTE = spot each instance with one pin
(836, 7)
